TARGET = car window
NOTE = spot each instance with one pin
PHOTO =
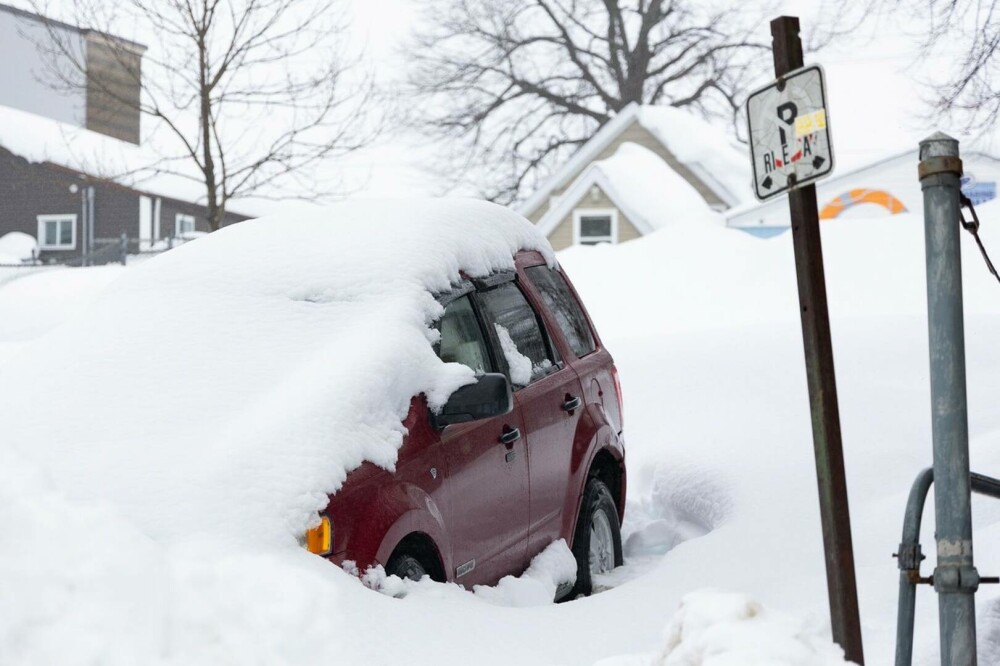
(520, 335)
(462, 338)
(564, 307)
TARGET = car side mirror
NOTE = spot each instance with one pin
(490, 395)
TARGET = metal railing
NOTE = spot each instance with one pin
(910, 556)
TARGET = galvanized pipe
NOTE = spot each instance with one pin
(909, 557)
(955, 578)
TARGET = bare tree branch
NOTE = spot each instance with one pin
(253, 93)
(515, 86)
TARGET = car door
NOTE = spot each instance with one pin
(549, 396)
(486, 489)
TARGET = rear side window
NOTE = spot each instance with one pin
(461, 337)
(564, 307)
(519, 333)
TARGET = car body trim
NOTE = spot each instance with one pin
(463, 569)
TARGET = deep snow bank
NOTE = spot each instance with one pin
(704, 327)
(703, 324)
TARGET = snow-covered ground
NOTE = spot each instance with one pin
(722, 517)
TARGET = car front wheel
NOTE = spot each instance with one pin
(597, 544)
(406, 566)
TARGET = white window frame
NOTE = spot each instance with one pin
(184, 217)
(44, 219)
(580, 213)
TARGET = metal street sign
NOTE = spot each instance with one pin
(789, 132)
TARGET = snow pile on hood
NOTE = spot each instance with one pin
(16, 247)
(223, 389)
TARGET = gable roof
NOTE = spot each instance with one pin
(702, 148)
(640, 184)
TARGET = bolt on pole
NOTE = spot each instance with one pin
(834, 511)
(955, 578)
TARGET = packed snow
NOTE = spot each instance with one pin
(112, 555)
(519, 364)
(724, 628)
(551, 569)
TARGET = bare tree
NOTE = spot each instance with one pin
(516, 86)
(252, 95)
(968, 91)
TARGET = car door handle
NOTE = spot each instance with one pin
(572, 403)
(510, 435)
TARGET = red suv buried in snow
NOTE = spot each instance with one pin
(530, 453)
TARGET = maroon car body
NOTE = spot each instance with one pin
(471, 501)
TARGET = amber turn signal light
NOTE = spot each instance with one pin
(319, 540)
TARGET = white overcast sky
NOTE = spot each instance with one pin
(874, 79)
(873, 82)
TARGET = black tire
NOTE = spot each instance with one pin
(596, 498)
(406, 566)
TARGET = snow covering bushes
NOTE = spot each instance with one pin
(716, 629)
(17, 247)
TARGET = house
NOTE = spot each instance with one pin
(646, 168)
(73, 214)
(68, 154)
(29, 80)
(885, 187)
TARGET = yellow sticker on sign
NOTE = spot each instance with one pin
(808, 123)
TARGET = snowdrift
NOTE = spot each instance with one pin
(120, 545)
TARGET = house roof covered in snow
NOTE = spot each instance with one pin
(640, 184)
(39, 139)
(699, 152)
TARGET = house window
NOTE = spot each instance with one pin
(595, 225)
(183, 224)
(57, 232)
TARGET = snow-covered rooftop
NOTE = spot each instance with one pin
(700, 146)
(704, 148)
(40, 139)
(641, 185)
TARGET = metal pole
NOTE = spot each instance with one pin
(834, 510)
(955, 578)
